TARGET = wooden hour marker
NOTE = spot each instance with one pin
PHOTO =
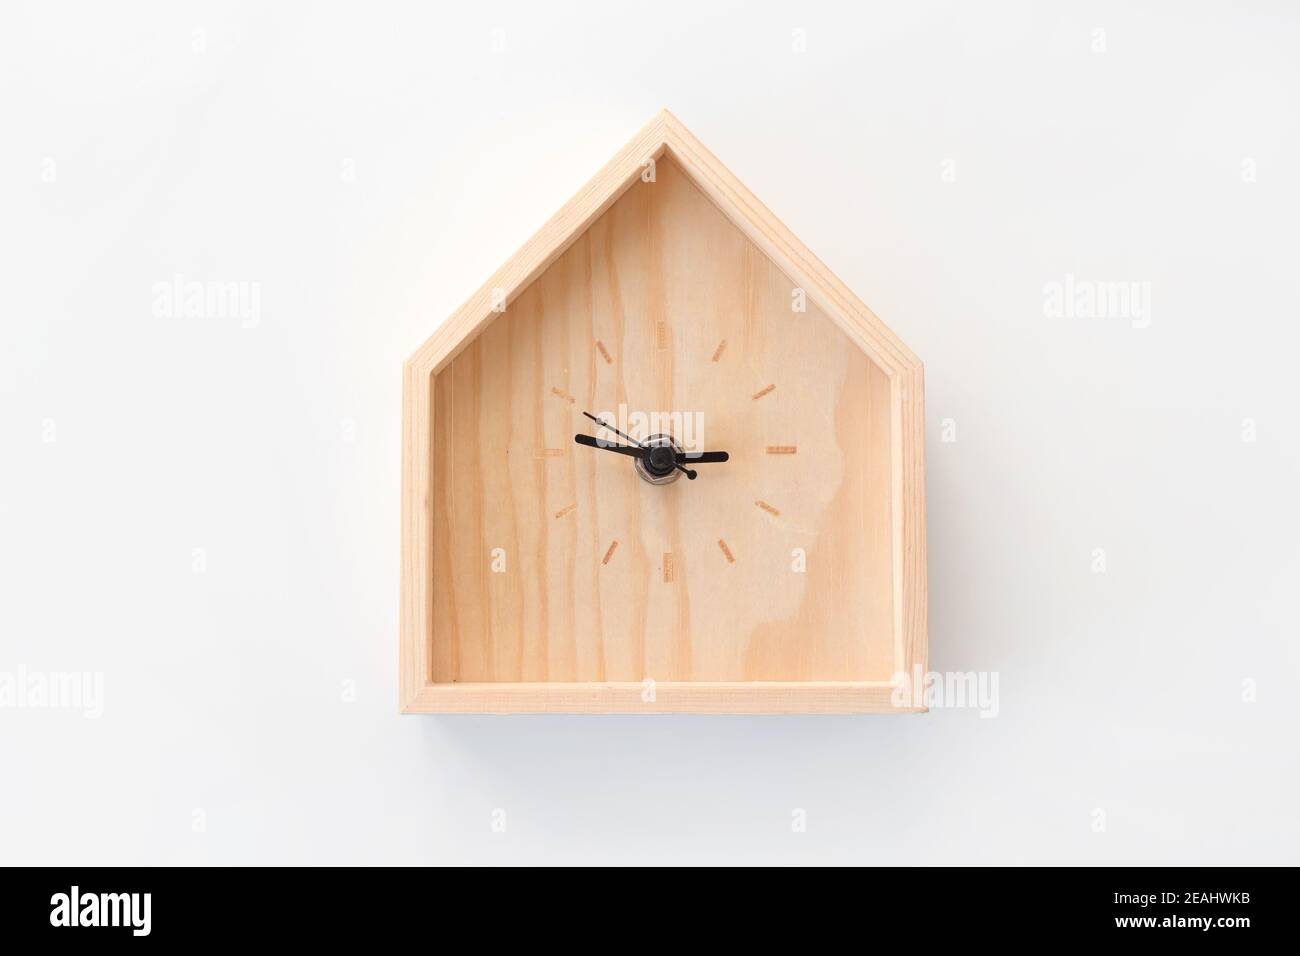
(661, 335)
(731, 558)
(567, 510)
(782, 449)
(613, 546)
(764, 391)
(722, 347)
(668, 567)
(604, 352)
(561, 393)
(548, 452)
(768, 508)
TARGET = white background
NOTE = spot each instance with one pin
(369, 165)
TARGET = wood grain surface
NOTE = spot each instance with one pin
(703, 585)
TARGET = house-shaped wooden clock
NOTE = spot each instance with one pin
(663, 461)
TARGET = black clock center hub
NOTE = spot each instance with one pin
(657, 462)
(661, 459)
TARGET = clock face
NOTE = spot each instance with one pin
(559, 561)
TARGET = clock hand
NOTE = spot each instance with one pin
(614, 430)
(633, 451)
(637, 451)
(640, 449)
(702, 456)
(646, 449)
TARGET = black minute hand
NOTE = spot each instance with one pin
(591, 441)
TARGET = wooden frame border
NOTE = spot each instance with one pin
(665, 133)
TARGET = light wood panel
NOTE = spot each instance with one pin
(705, 584)
(692, 697)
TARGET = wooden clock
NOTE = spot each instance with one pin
(663, 461)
